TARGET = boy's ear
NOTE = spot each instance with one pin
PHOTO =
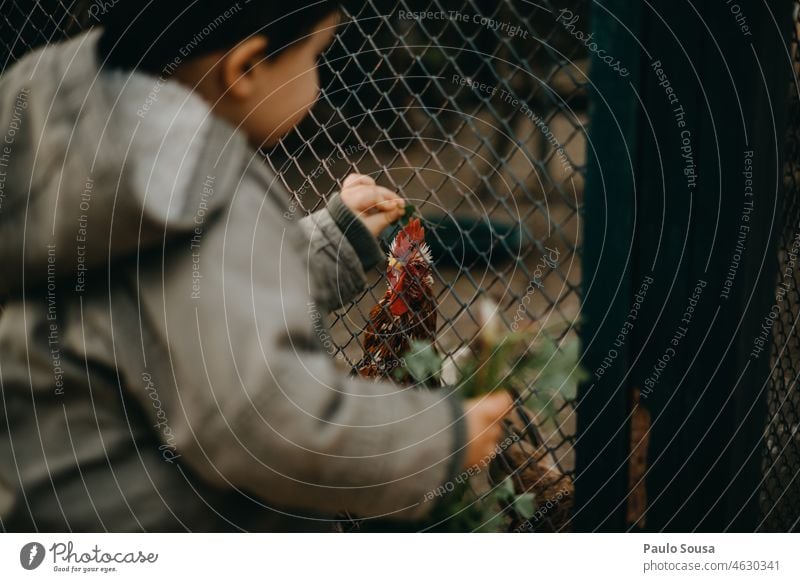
(237, 66)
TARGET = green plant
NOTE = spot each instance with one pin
(529, 363)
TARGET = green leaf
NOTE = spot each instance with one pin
(506, 487)
(422, 362)
(525, 505)
(561, 373)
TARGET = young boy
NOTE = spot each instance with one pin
(159, 364)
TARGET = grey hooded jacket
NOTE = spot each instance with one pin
(161, 366)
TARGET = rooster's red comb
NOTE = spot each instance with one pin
(412, 235)
(414, 231)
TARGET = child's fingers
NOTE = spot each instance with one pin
(383, 198)
(394, 197)
(391, 205)
(356, 180)
(378, 221)
(393, 214)
(374, 199)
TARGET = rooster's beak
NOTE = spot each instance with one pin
(395, 264)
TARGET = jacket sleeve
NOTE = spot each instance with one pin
(252, 398)
(341, 251)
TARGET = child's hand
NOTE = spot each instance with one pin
(376, 206)
(484, 426)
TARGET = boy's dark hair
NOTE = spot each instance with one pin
(155, 36)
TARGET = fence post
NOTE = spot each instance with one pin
(610, 214)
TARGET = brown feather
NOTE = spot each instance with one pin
(387, 338)
(406, 312)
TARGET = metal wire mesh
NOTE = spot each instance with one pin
(469, 118)
(394, 106)
(27, 25)
(780, 495)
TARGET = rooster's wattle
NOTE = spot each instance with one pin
(406, 312)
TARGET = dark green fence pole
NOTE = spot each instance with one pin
(610, 214)
(707, 142)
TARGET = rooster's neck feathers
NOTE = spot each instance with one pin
(423, 247)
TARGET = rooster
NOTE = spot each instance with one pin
(406, 312)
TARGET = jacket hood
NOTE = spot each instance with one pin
(97, 165)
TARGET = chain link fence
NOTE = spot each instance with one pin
(477, 113)
(780, 495)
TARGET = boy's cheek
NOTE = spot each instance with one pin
(270, 122)
(295, 99)
(283, 100)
